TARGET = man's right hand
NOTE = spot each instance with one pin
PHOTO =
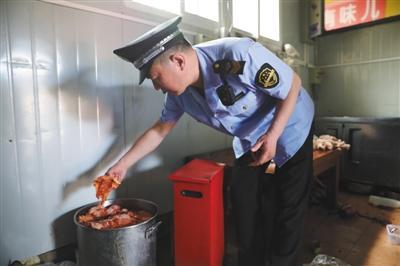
(118, 171)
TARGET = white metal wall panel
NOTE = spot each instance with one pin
(11, 204)
(46, 112)
(361, 72)
(25, 92)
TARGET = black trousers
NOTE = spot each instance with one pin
(269, 209)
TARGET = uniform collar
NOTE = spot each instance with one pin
(211, 80)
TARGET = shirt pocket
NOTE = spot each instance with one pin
(245, 106)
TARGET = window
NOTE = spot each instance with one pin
(269, 19)
(245, 16)
(257, 18)
(172, 6)
(203, 8)
(200, 16)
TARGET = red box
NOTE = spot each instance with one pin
(198, 214)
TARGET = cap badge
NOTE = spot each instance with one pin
(267, 77)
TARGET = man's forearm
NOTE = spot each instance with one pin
(146, 143)
(285, 108)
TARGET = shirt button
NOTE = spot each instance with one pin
(244, 107)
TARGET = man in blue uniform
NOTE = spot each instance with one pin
(236, 86)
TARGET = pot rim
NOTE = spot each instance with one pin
(108, 203)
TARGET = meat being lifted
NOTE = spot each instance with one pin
(104, 185)
(114, 216)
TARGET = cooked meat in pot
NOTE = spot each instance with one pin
(111, 217)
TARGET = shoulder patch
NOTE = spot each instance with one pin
(267, 77)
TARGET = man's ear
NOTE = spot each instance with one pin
(178, 59)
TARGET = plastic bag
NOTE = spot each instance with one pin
(324, 260)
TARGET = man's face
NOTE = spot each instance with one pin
(167, 75)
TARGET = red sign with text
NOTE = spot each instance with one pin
(345, 13)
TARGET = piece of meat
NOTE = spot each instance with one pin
(327, 143)
(104, 185)
(142, 216)
(99, 212)
(116, 221)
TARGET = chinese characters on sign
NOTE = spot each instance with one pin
(345, 13)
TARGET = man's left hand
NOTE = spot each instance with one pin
(264, 150)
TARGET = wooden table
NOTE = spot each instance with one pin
(322, 162)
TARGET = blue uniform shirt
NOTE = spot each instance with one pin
(251, 116)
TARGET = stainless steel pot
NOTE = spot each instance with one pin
(133, 245)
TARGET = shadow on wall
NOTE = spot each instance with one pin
(108, 135)
(96, 128)
(98, 121)
(91, 126)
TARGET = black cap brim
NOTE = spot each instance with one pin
(143, 74)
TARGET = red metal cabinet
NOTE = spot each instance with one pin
(198, 214)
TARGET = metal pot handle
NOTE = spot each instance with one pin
(152, 229)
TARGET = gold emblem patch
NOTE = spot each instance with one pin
(267, 77)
